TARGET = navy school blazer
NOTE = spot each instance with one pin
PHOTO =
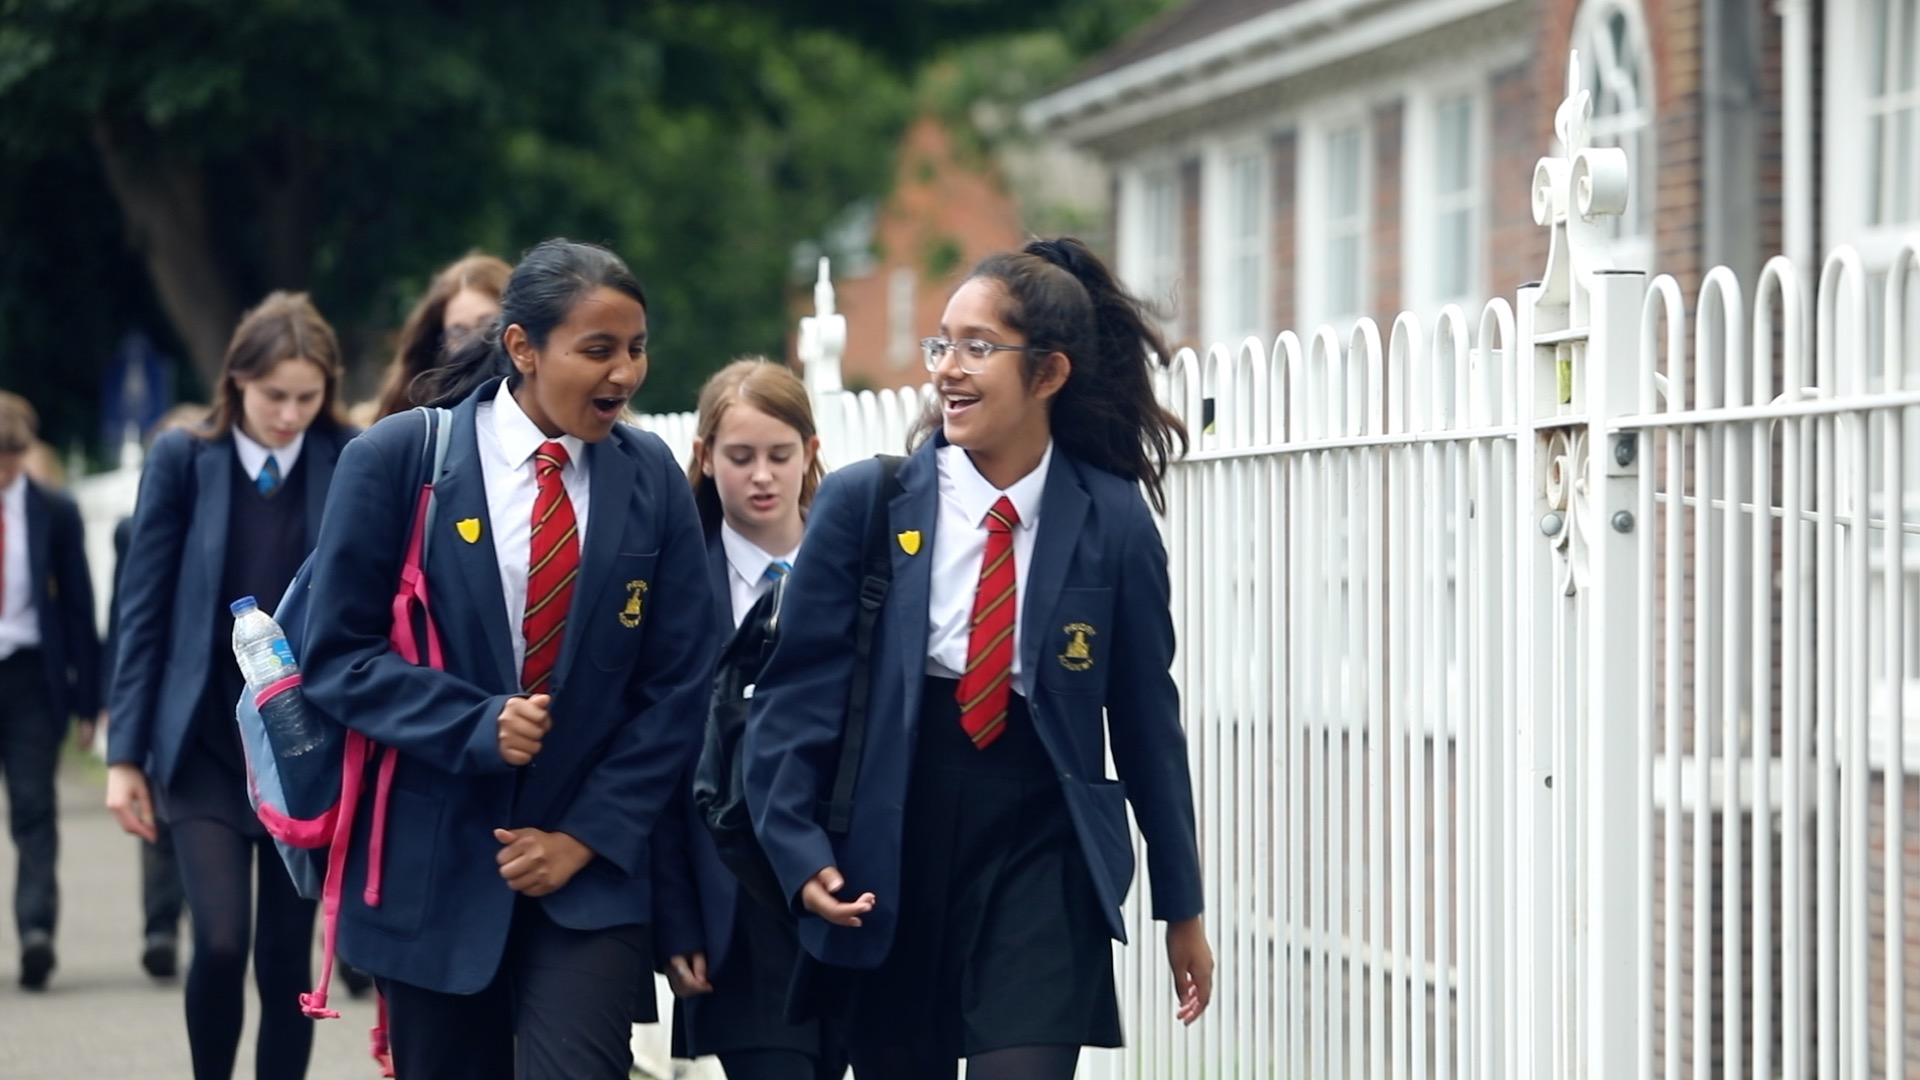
(164, 601)
(62, 604)
(1098, 578)
(694, 892)
(628, 697)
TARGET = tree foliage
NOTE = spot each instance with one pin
(169, 161)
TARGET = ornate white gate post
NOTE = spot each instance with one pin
(1582, 975)
(823, 340)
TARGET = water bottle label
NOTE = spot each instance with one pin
(283, 652)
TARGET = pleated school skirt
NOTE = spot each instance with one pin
(747, 1008)
(1001, 940)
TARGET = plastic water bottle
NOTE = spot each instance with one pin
(265, 658)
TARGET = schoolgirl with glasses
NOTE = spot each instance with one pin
(969, 910)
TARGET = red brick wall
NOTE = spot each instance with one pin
(1285, 155)
(1389, 140)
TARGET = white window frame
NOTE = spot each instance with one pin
(1423, 203)
(1630, 250)
(1153, 274)
(1233, 245)
(1314, 298)
(1851, 38)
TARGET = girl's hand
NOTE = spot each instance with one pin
(130, 801)
(536, 862)
(1191, 959)
(523, 723)
(818, 896)
(687, 975)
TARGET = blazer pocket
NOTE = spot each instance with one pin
(1108, 801)
(1074, 653)
(617, 622)
(409, 861)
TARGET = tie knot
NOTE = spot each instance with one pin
(549, 459)
(1003, 517)
(778, 569)
(269, 479)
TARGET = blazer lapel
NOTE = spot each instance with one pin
(1063, 510)
(39, 541)
(212, 505)
(321, 451)
(475, 565)
(612, 491)
(915, 509)
(722, 587)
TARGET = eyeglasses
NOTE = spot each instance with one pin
(974, 353)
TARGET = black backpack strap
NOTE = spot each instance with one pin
(876, 561)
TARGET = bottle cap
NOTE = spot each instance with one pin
(243, 605)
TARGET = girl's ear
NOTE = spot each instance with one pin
(812, 449)
(701, 455)
(519, 348)
(1053, 373)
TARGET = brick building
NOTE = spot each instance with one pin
(1284, 163)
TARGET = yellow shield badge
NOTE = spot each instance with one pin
(910, 541)
(633, 611)
(469, 529)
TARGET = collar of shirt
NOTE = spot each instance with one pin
(521, 438)
(748, 560)
(15, 492)
(976, 494)
(253, 455)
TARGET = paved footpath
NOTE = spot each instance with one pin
(102, 1018)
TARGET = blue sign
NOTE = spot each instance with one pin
(136, 390)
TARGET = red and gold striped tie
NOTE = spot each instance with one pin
(988, 682)
(553, 563)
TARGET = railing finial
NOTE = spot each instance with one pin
(823, 338)
(1572, 195)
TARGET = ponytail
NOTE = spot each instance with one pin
(1064, 299)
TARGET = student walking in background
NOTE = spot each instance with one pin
(568, 582)
(967, 912)
(754, 470)
(162, 898)
(228, 509)
(460, 304)
(49, 673)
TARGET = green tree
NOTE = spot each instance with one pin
(169, 161)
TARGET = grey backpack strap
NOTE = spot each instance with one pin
(439, 430)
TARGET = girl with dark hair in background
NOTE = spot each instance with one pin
(461, 303)
(229, 508)
(754, 470)
(967, 912)
(569, 586)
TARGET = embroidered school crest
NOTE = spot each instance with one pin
(633, 612)
(1079, 654)
(910, 541)
(469, 529)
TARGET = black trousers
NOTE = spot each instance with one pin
(561, 1007)
(30, 738)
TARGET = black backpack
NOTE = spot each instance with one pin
(719, 795)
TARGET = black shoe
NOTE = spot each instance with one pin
(161, 957)
(358, 982)
(36, 960)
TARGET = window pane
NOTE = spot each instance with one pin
(1453, 254)
(1343, 173)
(1455, 134)
(1343, 275)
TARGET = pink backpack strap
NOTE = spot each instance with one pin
(353, 765)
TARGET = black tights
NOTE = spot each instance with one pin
(1013, 1063)
(217, 866)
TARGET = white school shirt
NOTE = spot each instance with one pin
(508, 441)
(19, 623)
(747, 564)
(253, 455)
(959, 546)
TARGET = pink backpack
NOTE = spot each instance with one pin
(309, 803)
